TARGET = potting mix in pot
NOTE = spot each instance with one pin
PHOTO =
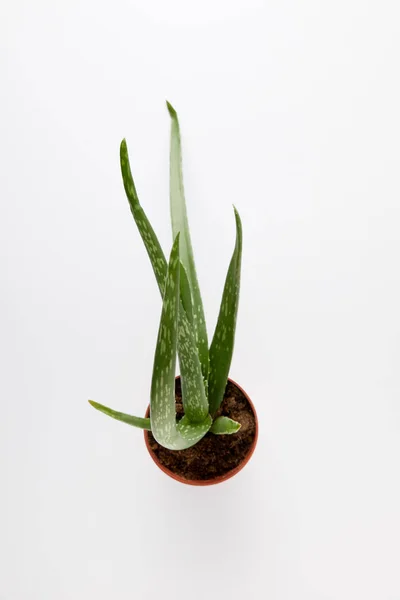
(202, 428)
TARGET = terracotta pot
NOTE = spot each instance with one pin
(220, 478)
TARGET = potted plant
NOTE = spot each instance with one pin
(200, 428)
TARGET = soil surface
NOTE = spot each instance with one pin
(214, 455)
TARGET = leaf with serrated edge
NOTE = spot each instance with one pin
(162, 398)
(195, 405)
(180, 224)
(221, 349)
(224, 426)
(190, 431)
(186, 295)
(149, 238)
(193, 391)
(129, 419)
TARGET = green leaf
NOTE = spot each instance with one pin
(221, 349)
(129, 419)
(195, 405)
(180, 224)
(162, 400)
(194, 397)
(194, 431)
(186, 295)
(149, 238)
(224, 426)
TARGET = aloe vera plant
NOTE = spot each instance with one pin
(182, 330)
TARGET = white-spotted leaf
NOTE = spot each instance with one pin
(194, 397)
(193, 393)
(162, 397)
(180, 225)
(193, 432)
(154, 250)
(186, 295)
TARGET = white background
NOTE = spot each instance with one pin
(289, 110)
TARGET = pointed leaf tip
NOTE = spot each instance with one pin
(119, 416)
(225, 426)
(237, 216)
(175, 245)
(97, 405)
(221, 353)
(180, 223)
(171, 110)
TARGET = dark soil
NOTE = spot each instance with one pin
(214, 455)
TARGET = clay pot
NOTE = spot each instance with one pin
(216, 479)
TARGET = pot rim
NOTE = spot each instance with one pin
(220, 478)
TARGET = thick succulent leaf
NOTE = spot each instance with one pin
(193, 432)
(195, 405)
(221, 349)
(149, 238)
(129, 419)
(180, 224)
(162, 399)
(186, 295)
(224, 426)
(194, 397)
